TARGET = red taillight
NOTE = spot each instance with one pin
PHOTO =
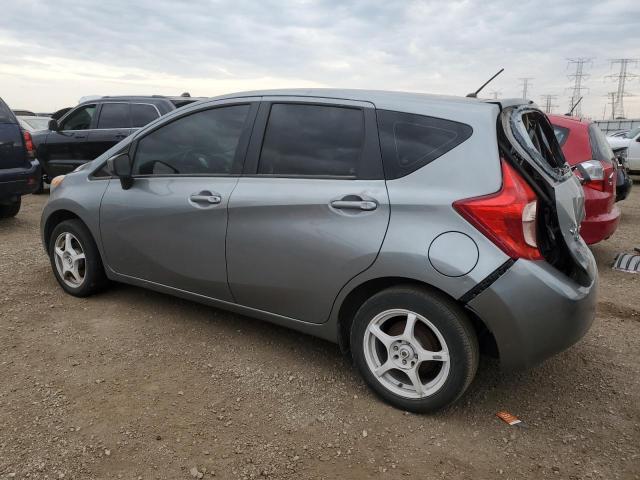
(507, 217)
(28, 143)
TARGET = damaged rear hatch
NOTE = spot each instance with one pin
(528, 142)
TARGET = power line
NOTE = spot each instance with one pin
(617, 110)
(525, 82)
(548, 100)
(577, 78)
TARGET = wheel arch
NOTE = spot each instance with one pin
(54, 219)
(360, 293)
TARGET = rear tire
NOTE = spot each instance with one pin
(10, 208)
(75, 259)
(420, 368)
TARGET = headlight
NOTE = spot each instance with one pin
(57, 181)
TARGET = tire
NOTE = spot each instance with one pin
(89, 276)
(442, 331)
(10, 209)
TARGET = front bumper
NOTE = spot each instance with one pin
(534, 311)
(15, 182)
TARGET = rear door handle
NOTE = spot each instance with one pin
(206, 197)
(366, 205)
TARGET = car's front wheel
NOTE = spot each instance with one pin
(10, 208)
(415, 348)
(75, 259)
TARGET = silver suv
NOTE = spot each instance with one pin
(413, 230)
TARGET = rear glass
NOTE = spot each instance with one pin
(410, 141)
(561, 133)
(6, 116)
(600, 149)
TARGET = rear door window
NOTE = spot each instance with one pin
(312, 140)
(410, 141)
(561, 134)
(142, 113)
(114, 115)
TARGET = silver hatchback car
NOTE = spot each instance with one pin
(413, 230)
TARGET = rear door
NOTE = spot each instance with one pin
(536, 149)
(312, 209)
(114, 124)
(65, 148)
(170, 227)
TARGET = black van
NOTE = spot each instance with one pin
(19, 170)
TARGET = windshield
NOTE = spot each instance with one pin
(633, 133)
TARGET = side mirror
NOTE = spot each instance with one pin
(120, 166)
(53, 125)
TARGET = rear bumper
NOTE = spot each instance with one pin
(599, 227)
(534, 311)
(15, 182)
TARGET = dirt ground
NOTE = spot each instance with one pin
(137, 385)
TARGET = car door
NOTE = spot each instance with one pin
(169, 228)
(114, 124)
(312, 209)
(64, 149)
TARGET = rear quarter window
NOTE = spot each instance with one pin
(409, 141)
(561, 134)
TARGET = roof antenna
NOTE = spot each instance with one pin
(574, 107)
(475, 94)
(185, 94)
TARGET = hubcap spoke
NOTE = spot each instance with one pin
(409, 326)
(59, 252)
(67, 243)
(427, 355)
(77, 257)
(384, 368)
(68, 259)
(415, 381)
(386, 340)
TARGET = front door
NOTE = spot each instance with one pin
(170, 226)
(65, 149)
(311, 211)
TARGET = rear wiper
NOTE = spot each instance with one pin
(475, 94)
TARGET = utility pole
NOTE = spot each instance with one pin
(547, 101)
(621, 77)
(525, 81)
(495, 94)
(577, 78)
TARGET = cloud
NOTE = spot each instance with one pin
(212, 47)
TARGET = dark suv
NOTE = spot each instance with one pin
(19, 171)
(94, 126)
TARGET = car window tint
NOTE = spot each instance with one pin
(312, 140)
(410, 141)
(203, 143)
(141, 114)
(80, 119)
(114, 115)
(561, 133)
(6, 116)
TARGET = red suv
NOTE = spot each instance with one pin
(593, 162)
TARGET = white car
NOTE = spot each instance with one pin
(631, 143)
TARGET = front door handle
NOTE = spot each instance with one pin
(366, 205)
(206, 197)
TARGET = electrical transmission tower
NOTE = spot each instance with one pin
(612, 102)
(547, 101)
(618, 107)
(525, 81)
(577, 78)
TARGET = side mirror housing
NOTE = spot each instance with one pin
(120, 166)
(53, 125)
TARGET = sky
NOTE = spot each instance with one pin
(53, 53)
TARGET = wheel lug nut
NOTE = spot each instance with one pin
(404, 362)
(395, 347)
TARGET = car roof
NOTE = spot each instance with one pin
(569, 122)
(377, 97)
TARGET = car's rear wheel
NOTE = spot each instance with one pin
(75, 259)
(415, 348)
(10, 208)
